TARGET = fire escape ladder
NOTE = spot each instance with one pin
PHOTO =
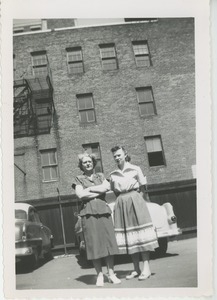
(33, 106)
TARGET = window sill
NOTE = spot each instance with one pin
(148, 117)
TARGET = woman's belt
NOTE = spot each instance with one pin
(129, 191)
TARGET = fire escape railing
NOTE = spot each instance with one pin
(33, 105)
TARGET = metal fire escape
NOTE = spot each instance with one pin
(33, 105)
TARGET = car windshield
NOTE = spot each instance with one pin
(20, 214)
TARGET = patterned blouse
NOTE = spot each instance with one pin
(98, 205)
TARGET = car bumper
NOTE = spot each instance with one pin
(168, 233)
(23, 252)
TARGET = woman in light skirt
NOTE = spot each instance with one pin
(134, 229)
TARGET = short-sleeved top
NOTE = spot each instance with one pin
(131, 178)
(98, 205)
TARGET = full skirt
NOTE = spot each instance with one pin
(134, 229)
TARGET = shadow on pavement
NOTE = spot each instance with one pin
(23, 267)
(154, 256)
(87, 279)
(119, 259)
(83, 262)
(91, 279)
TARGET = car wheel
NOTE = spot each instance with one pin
(48, 255)
(163, 245)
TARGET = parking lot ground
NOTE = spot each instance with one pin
(177, 268)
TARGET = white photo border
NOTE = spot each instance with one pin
(200, 10)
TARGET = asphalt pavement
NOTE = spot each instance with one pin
(177, 268)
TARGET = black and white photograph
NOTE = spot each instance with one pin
(108, 187)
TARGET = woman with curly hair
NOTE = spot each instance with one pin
(97, 224)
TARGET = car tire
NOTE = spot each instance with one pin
(48, 255)
(163, 245)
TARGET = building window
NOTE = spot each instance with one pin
(35, 27)
(49, 165)
(18, 30)
(39, 63)
(146, 101)
(75, 60)
(86, 108)
(155, 151)
(95, 149)
(141, 53)
(108, 57)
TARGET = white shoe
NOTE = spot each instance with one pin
(144, 276)
(134, 274)
(114, 279)
(100, 281)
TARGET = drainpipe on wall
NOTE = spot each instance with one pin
(62, 222)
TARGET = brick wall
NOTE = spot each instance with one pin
(172, 77)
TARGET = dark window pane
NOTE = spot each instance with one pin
(83, 117)
(156, 159)
(75, 55)
(142, 61)
(53, 172)
(39, 60)
(109, 64)
(46, 174)
(98, 167)
(90, 116)
(146, 109)
(144, 95)
(81, 103)
(89, 102)
(53, 157)
(85, 102)
(45, 159)
(140, 49)
(76, 68)
(40, 71)
(107, 52)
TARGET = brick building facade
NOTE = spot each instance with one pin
(131, 84)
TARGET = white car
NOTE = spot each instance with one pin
(163, 218)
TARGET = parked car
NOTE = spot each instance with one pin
(33, 240)
(163, 218)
